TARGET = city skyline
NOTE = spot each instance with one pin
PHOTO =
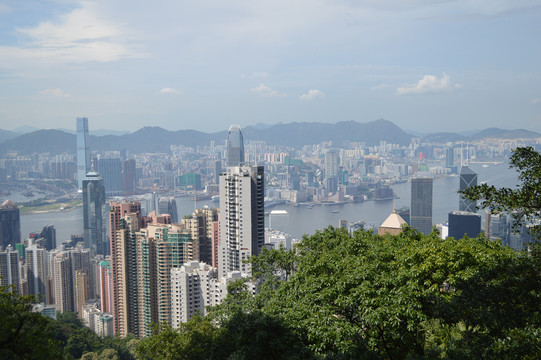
(423, 65)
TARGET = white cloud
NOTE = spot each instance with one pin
(380, 86)
(264, 90)
(429, 84)
(536, 101)
(311, 95)
(169, 91)
(54, 92)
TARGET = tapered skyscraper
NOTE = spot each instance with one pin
(83, 153)
(234, 146)
(421, 204)
(468, 178)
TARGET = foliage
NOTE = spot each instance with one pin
(24, 334)
(522, 202)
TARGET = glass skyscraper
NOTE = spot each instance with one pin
(468, 178)
(83, 153)
(93, 214)
(234, 146)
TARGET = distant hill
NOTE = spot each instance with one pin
(6, 135)
(41, 141)
(155, 139)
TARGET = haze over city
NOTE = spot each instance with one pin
(427, 66)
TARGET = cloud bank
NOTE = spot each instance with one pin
(429, 84)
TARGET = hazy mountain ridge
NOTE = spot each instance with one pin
(155, 139)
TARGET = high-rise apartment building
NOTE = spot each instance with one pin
(63, 282)
(234, 145)
(106, 286)
(124, 220)
(242, 217)
(468, 178)
(37, 273)
(10, 268)
(200, 227)
(421, 204)
(10, 224)
(94, 212)
(191, 291)
(80, 291)
(83, 152)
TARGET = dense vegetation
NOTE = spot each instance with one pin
(340, 296)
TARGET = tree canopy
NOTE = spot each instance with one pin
(522, 202)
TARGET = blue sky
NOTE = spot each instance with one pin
(427, 66)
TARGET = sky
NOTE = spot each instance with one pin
(426, 65)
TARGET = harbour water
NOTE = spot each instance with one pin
(304, 220)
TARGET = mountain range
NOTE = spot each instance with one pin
(156, 139)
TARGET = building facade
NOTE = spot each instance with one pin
(94, 212)
(83, 152)
(421, 204)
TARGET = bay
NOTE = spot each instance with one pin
(304, 220)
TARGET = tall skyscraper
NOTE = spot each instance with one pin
(242, 217)
(106, 286)
(217, 171)
(83, 152)
(129, 176)
(81, 282)
(10, 224)
(63, 282)
(48, 233)
(234, 146)
(37, 273)
(93, 214)
(421, 204)
(468, 178)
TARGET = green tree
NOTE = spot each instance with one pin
(24, 334)
(522, 202)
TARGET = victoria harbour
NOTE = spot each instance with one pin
(306, 220)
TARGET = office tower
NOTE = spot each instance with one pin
(242, 217)
(63, 282)
(464, 223)
(37, 273)
(421, 204)
(83, 152)
(129, 177)
(124, 220)
(404, 213)
(191, 291)
(200, 227)
(106, 286)
(497, 227)
(217, 171)
(80, 291)
(449, 156)
(10, 224)
(94, 212)
(392, 225)
(279, 220)
(234, 145)
(111, 172)
(468, 178)
(10, 269)
(48, 234)
(169, 206)
(331, 171)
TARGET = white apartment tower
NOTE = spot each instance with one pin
(191, 291)
(242, 217)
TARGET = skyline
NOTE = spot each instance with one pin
(437, 67)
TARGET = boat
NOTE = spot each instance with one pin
(335, 211)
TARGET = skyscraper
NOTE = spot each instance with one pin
(48, 233)
(468, 178)
(129, 177)
(111, 172)
(464, 223)
(200, 227)
(234, 146)
(93, 214)
(63, 281)
(10, 224)
(83, 152)
(168, 205)
(242, 217)
(421, 204)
